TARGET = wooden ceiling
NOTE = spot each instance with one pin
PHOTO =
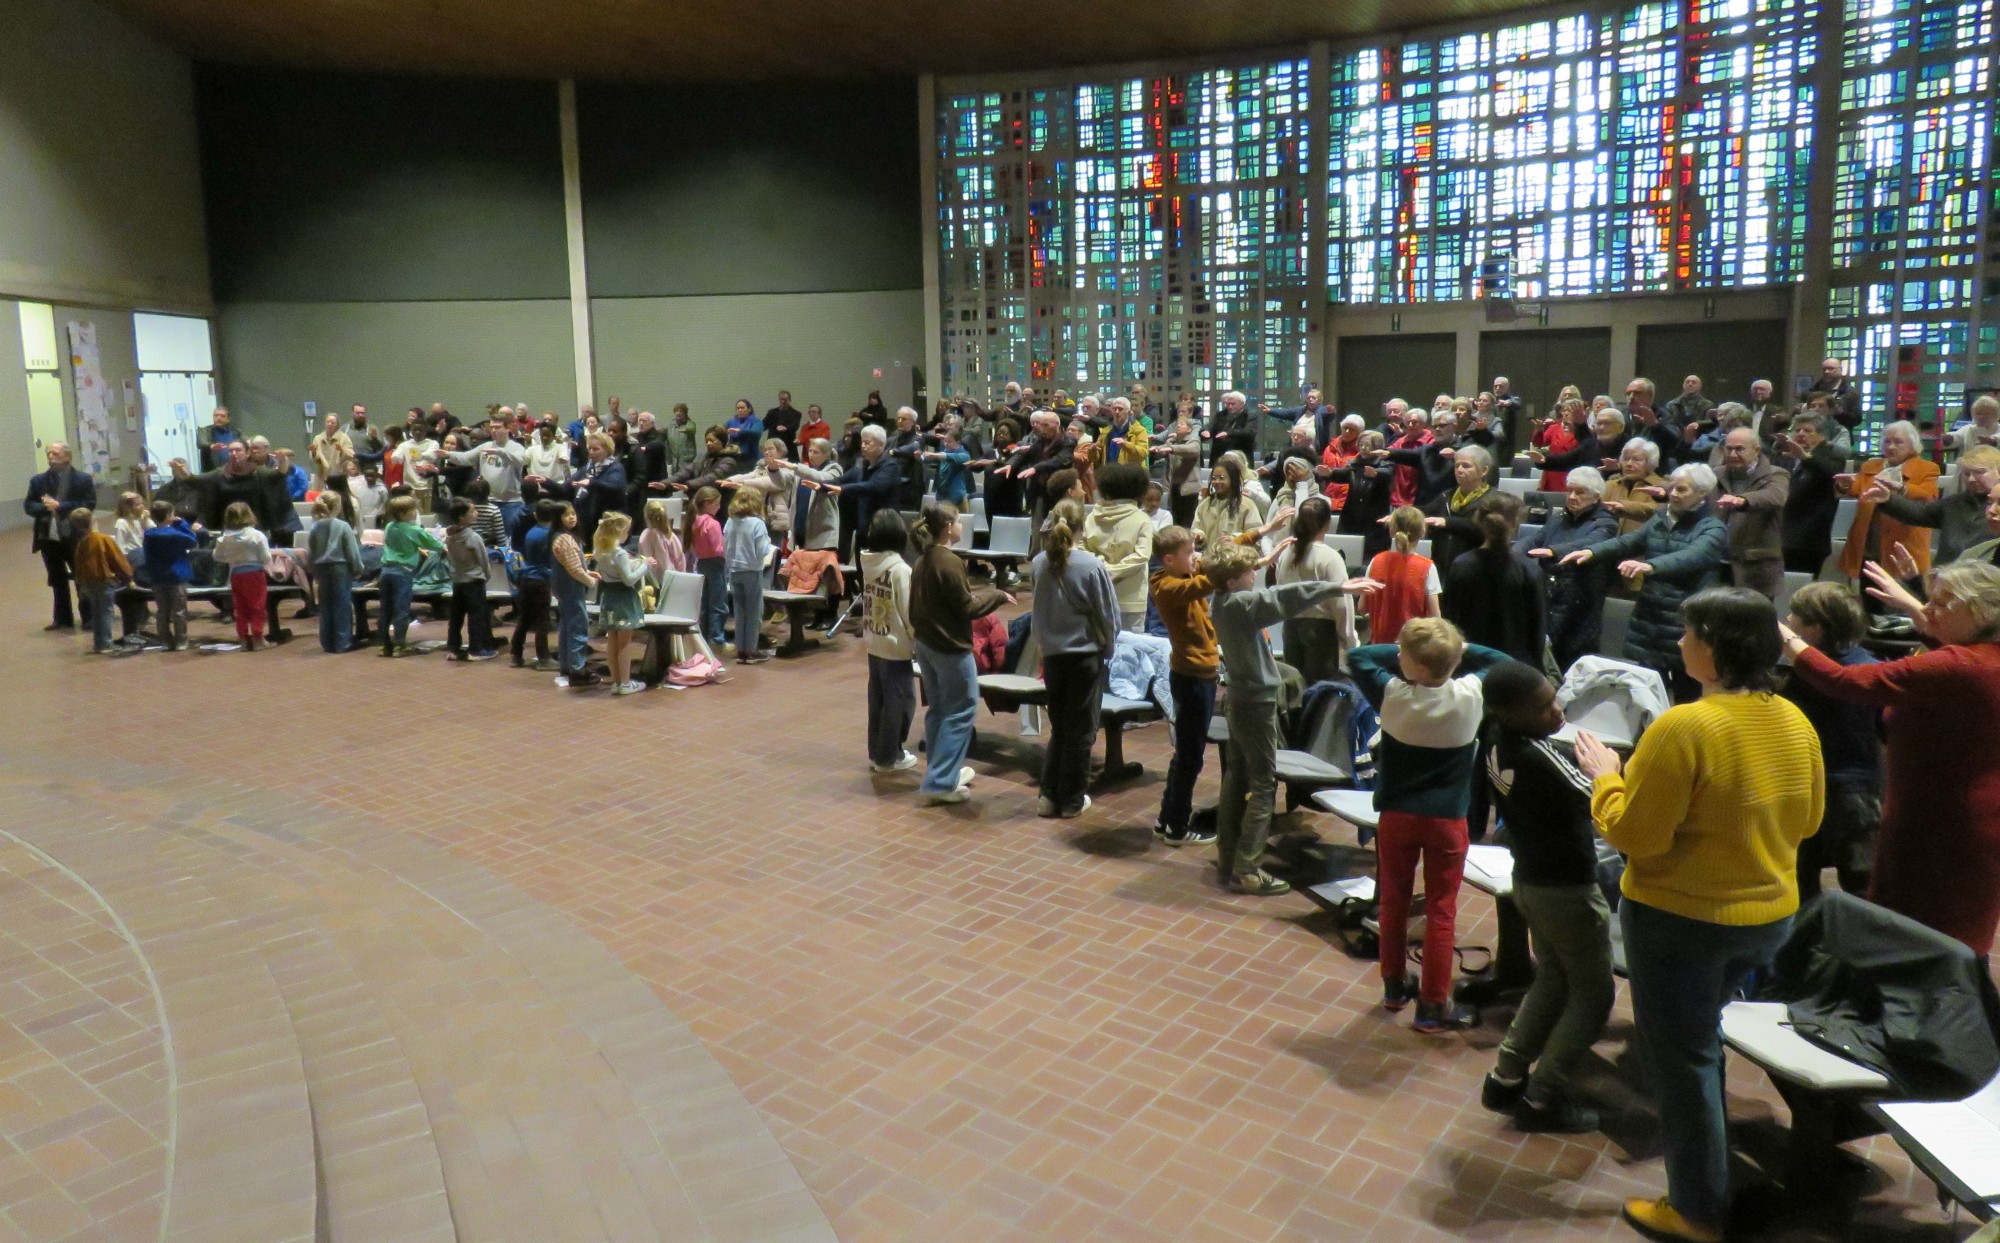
(759, 39)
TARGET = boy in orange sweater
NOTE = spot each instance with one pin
(100, 571)
(1180, 593)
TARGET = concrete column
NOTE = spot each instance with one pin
(927, 212)
(581, 344)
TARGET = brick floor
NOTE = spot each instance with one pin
(958, 1024)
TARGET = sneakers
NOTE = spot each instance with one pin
(904, 763)
(1437, 1018)
(1258, 883)
(1657, 1219)
(1184, 837)
(1046, 808)
(1561, 1116)
(398, 650)
(754, 658)
(484, 656)
(545, 666)
(1501, 1097)
(945, 798)
(628, 688)
(1398, 993)
(1080, 808)
(577, 681)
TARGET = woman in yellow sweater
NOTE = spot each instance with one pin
(1709, 815)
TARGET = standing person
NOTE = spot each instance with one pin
(1119, 535)
(1709, 814)
(1842, 397)
(1829, 618)
(1230, 428)
(1752, 501)
(1340, 451)
(1426, 686)
(334, 554)
(1227, 510)
(1575, 593)
(1452, 515)
(1181, 593)
(1408, 582)
(782, 421)
(415, 457)
(943, 605)
(1813, 500)
(892, 673)
(369, 496)
(1368, 482)
(745, 430)
(403, 547)
(1242, 612)
(619, 615)
(502, 462)
(168, 542)
(533, 582)
(659, 544)
(598, 486)
(101, 569)
(332, 451)
(53, 496)
(1678, 553)
(1076, 618)
(1937, 859)
(466, 552)
(1635, 494)
(681, 441)
(571, 580)
(906, 446)
(1494, 593)
(702, 533)
(1315, 638)
(1545, 801)
(816, 427)
(774, 481)
(212, 442)
(1959, 519)
(646, 472)
(247, 553)
(746, 550)
(1902, 471)
(363, 438)
(870, 484)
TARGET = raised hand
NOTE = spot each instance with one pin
(1581, 556)
(1903, 563)
(1884, 587)
(1635, 569)
(1543, 553)
(1876, 493)
(1593, 757)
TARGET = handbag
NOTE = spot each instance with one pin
(698, 669)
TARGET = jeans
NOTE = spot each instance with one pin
(1683, 971)
(572, 625)
(397, 581)
(1076, 695)
(171, 599)
(511, 514)
(1401, 841)
(1249, 786)
(1194, 708)
(1565, 1008)
(335, 584)
(746, 595)
(892, 705)
(103, 601)
(531, 604)
(469, 611)
(248, 590)
(714, 598)
(951, 685)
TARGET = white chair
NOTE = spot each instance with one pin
(1793, 581)
(1948, 482)
(1424, 550)
(1349, 548)
(429, 522)
(304, 509)
(977, 508)
(678, 621)
(301, 539)
(964, 543)
(1617, 617)
(1010, 538)
(675, 507)
(1523, 488)
(1843, 518)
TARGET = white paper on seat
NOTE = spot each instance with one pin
(1963, 1136)
(1353, 889)
(1490, 868)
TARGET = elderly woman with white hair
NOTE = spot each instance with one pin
(1231, 427)
(1903, 471)
(1637, 490)
(1937, 858)
(1340, 453)
(1681, 550)
(1575, 592)
(1453, 516)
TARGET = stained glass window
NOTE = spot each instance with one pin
(1912, 199)
(1640, 149)
(1145, 229)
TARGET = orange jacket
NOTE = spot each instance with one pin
(99, 561)
(1920, 483)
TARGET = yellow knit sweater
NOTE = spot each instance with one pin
(1712, 807)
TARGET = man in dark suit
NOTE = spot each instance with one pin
(52, 496)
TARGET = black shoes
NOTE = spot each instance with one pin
(1561, 1116)
(1500, 1097)
(1398, 993)
(1437, 1018)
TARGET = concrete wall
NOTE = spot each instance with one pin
(17, 442)
(707, 352)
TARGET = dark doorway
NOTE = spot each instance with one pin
(1539, 363)
(1727, 355)
(1374, 369)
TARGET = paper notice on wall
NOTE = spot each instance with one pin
(97, 439)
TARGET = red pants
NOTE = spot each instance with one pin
(1400, 841)
(247, 592)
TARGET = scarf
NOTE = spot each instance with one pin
(1459, 499)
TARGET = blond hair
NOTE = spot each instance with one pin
(327, 505)
(1986, 457)
(1433, 644)
(238, 516)
(131, 505)
(1406, 528)
(1171, 540)
(1227, 563)
(401, 509)
(658, 519)
(612, 529)
(746, 504)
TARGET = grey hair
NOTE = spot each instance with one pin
(1589, 478)
(821, 443)
(1988, 402)
(1698, 475)
(258, 442)
(1732, 410)
(874, 432)
(1907, 428)
(1609, 412)
(1353, 420)
(1975, 585)
(1476, 454)
(1647, 449)
(1238, 396)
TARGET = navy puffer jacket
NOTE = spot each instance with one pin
(1686, 552)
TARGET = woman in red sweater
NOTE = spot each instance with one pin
(1937, 859)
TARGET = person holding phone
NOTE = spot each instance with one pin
(1815, 463)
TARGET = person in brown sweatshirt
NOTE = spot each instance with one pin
(101, 569)
(1180, 593)
(942, 606)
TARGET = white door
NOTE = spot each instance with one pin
(45, 412)
(171, 400)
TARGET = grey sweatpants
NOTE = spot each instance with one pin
(1565, 1009)
(1249, 786)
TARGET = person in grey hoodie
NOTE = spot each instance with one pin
(892, 670)
(1076, 625)
(1242, 611)
(1121, 533)
(466, 553)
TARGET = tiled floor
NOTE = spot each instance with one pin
(958, 1024)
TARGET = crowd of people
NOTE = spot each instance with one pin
(1172, 522)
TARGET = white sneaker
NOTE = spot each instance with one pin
(948, 797)
(1084, 807)
(965, 776)
(903, 764)
(628, 688)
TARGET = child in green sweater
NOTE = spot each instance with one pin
(403, 547)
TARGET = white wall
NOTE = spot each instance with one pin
(389, 356)
(17, 443)
(100, 176)
(709, 351)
